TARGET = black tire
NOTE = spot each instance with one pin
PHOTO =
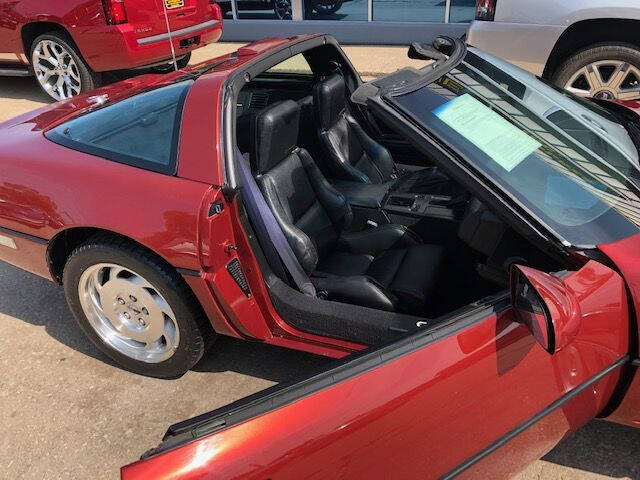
(328, 9)
(282, 9)
(88, 78)
(196, 333)
(621, 52)
(167, 67)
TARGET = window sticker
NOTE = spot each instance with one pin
(503, 142)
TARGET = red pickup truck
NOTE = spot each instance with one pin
(67, 44)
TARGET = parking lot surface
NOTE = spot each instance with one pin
(66, 412)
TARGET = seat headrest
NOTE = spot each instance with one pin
(329, 100)
(274, 134)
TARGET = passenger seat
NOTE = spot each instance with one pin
(354, 156)
(386, 267)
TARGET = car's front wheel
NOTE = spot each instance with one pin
(135, 308)
(604, 71)
(59, 67)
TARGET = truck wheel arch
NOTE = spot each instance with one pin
(584, 33)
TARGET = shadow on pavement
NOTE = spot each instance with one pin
(601, 447)
(22, 88)
(38, 302)
(259, 360)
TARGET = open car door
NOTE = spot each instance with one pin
(480, 394)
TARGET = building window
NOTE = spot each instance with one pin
(415, 11)
(462, 11)
(431, 11)
(257, 9)
(352, 10)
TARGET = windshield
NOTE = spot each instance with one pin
(568, 161)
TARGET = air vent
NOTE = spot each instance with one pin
(259, 100)
(235, 269)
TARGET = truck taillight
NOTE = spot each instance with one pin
(114, 11)
(486, 10)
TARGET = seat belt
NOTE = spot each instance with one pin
(268, 227)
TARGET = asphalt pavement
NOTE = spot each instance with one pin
(67, 412)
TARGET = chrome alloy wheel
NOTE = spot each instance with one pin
(607, 80)
(128, 313)
(56, 70)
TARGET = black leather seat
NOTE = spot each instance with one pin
(354, 156)
(386, 267)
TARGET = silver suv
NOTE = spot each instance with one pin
(589, 47)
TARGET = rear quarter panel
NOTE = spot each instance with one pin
(46, 188)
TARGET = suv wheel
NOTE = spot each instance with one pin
(605, 71)
(59, 68)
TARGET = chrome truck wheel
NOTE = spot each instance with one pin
(56, 71)
(606, 80)
(59, 67)
(603, 71)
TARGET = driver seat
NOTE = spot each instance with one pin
(386, 267)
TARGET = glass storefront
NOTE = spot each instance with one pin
(462, 11)
(353, 10)
(414, 11)
(432, 11)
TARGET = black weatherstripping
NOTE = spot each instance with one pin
(356, 364)
(409, 79)
(25, 236)
(532, 420)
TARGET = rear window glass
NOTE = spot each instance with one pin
(142, 130)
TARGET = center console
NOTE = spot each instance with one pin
(417, 205)
(427, 214)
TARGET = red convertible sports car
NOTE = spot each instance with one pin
(463, 237)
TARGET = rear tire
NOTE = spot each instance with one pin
(59, 67)
(605, 71)
(135, 308)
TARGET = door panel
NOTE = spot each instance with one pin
(449, 398)
(222, 270)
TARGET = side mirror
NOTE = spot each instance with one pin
(545, 304)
